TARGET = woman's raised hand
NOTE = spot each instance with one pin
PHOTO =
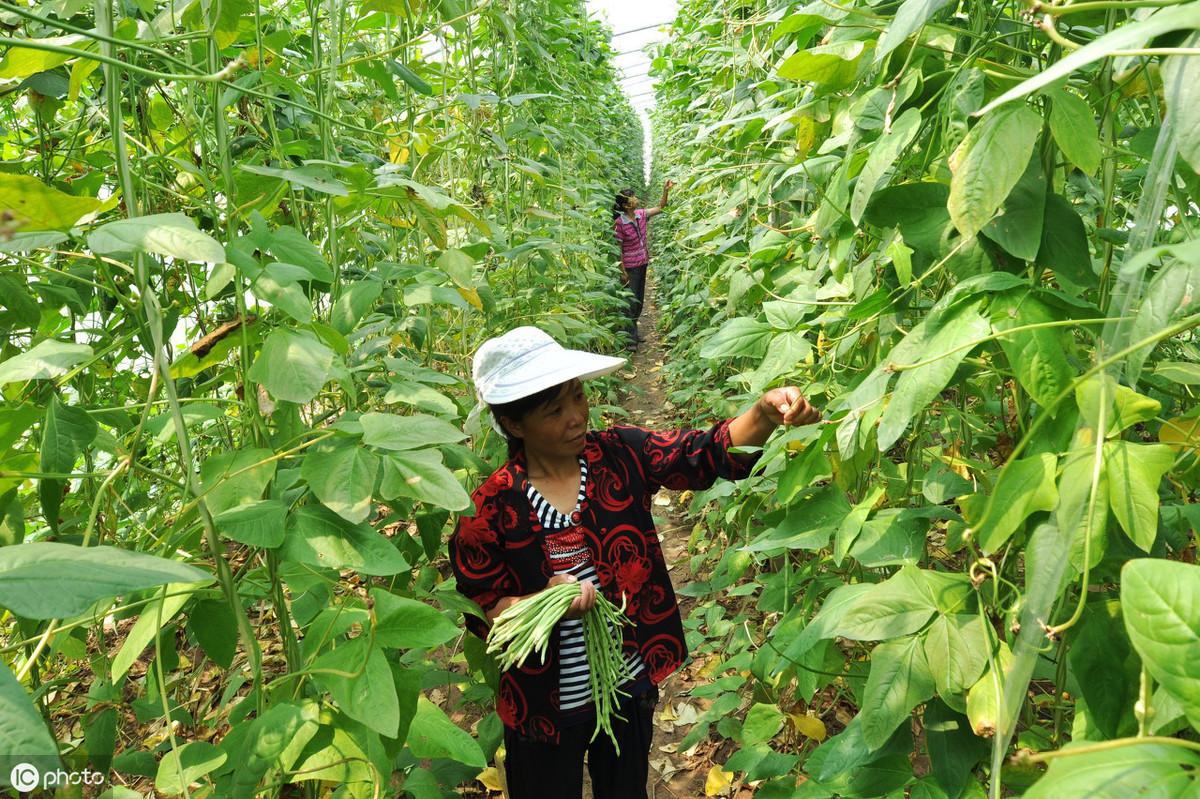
(788, 406)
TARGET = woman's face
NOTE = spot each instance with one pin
(557, 428)
(632, 203)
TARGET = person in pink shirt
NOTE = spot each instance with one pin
(631, 225)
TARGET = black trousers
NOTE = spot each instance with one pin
(537, 770)
(637, 284)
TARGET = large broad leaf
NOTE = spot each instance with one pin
(274, 740)
(47, 580)
(900, 680)
(292, 247)
(1038, 357)
(1027, 486)
(1125, 407)
(938, 360)
(169, 235)
(898, 606)
(420, 474)
(293, 365)
(317, 536)
(1134, 472)
(66, 432)
(1143, 770)
(432, 734)
(1181, 88)
(1160, 601)
(956, 649)
(988, 163)
(1076, 501)
(22, 728)
(830, 66)
(738, 337)
(37, 206)
(1171, 295)
(1018, 226)
(233, 480)
(311, 176)
(1064, 247)
(394, 432)
(1129, 36)
(258, 524)
(883, 154)
(21, 62)
(908, 20)
(918, 209)
(181, 767)
(953, 748)
(1074, 129)
(402, 623)
(1106, 668)
(46, 359)
(342, 474)
(365, 691)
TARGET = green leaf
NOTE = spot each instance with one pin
(169, 235)
(987, 165)
(234, 479)
(389, 431)
(151, 619)
(1131, 35)
(918, 209)
(1064, 247)
(738, 337)
(22, 728)
(402, 623)
(47, 580)
(214, 626)
(1038, 357)
(1074, 128)
(829, 66)
(432, 734)
(1181, 89)
(1161, 602)
(317, 536)
(953, 748)
(342, 474)
(286, 296)
(909, 19)
(1076, 502)
(900, 680)
(181, 767)
(310, 176)
(367, 692)
(898, 606)
(1027, 486)
(1126, 406)
(66, 432)
(1144, 770)
(36, 206)
(292, 247)
(1018, 226)
(21, 62)
(882, 155)
(459, 266)
(293, 365)
(257, 524)
(47, 359)
(956, 649)
(1106, 668)
(1182, 372)
(1170, 296)
(353, 303)
(939, 360)
(1134, 472)
(763, 722)
(420, 474)
(274, 740)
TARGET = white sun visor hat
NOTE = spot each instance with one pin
(527, 360)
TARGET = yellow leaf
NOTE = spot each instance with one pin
(667, 713)
(718, 781)
(1181, 434)
(808, 726)
(492, 779)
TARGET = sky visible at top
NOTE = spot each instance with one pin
(628, 15)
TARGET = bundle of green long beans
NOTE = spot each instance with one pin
(526, 626)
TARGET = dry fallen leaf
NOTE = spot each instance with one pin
(492, 778)
(718, 782)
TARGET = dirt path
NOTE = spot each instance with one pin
(673, 774)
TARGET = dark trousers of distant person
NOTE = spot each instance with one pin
(535, 770)
(636, 277)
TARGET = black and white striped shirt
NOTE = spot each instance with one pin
(569, 555)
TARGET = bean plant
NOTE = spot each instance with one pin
(968, 230)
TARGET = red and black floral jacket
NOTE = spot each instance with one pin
(500, 551)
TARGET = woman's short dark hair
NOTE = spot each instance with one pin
(517, 410)
(619, 203)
